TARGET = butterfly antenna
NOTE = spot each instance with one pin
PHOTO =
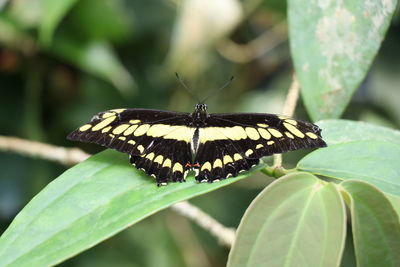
(219, 90)
(187, 88)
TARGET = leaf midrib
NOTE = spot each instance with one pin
(265, 225)
(297, 231)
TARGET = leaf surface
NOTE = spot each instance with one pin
(333, 44)
(87, 204)
(298, 220)
(375, 162)
(375, 225)
(343, 131)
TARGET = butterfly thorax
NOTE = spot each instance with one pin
(200, 115)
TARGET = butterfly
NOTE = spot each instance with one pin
(167, 145)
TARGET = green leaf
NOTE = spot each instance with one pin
(343, 131)
(53, 12)
(99, 20)
(333, 44)
(376, 162)
(87, 204)
(298, 220)
(395, 201)
(376, 226)
(97, 59)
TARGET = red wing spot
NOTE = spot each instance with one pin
(188, 165)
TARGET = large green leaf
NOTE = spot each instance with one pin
(376, 162)
(343, 131)
(376, 226)
(53, 12)
(87, 204)
(296, 221)
(333, 44)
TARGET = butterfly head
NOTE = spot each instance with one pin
(201, 107)
(200, 114)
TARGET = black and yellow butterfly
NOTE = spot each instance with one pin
(166, 145)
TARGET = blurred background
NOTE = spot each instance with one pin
(61, 62)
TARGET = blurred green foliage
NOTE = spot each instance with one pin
(63, 61)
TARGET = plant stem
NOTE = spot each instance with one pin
(288, 110)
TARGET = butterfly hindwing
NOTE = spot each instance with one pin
(221, 159)
(165, 163)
